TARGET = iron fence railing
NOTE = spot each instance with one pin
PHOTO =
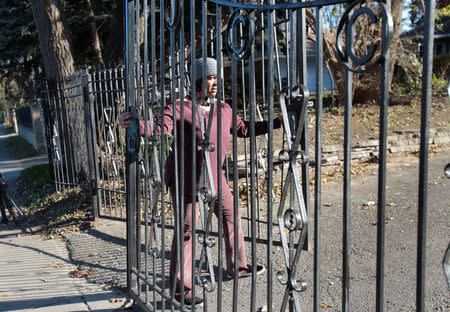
(198, 149)
(247, 39)
(86, 147)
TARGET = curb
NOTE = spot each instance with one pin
(333, 154)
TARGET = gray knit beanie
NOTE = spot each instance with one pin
(210, 68)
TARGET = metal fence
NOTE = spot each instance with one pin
(247, 40)
(235, 163)
(86, 147)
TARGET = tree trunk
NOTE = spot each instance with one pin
(115, 46)
(57, 55)
(94, 34)
(54, 40)
(396, 11)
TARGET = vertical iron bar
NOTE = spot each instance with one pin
(176, 192)
(146, 163)
(131, 163)
(112, 130)
(103, 103)
(424, 142)
(123, 138)
(101, 175)
(346, 195)
(235, 183)
(182, 129)
(90, 143)
(194, 132)
(154, 99)
(50, 133)
(270, 96)
(68, 142)
(162, 144)
(138, 108)
(318, 157)
(381, 213)
(96, 182)
(219, 154)
(253, 169)
(116, 110)
(301, 61)
(348, 88)
(62, 137)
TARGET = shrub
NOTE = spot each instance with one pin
(20, 148)
(35, 177)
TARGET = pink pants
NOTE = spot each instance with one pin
(228, 233)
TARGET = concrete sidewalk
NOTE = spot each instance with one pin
(34, 276)
(34, 273)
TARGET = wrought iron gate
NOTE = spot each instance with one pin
(85, 144)
(248, 40)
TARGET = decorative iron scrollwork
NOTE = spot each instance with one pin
(56, 145)
(292, 216)
(155, 191)
(375, 51)
(172, 10)
(207, 198)
(239, 34)
(110, 138)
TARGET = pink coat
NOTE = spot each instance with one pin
(243, 130)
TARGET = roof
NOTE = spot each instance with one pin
(441, 30)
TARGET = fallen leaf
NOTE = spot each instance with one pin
(75, 273)
(44, 280)
(325, 305)
(3, 295)
(115, 300)
(327, 204)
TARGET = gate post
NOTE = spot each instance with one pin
(91, 141)
(132, 146)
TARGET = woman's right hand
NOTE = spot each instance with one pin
(125, 119)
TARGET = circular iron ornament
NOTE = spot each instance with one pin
(239, 17)
(346, 54)
(172, 21)
(206, 194)
(293, 220)
(297, 285)
(282, 277)
(204, 282)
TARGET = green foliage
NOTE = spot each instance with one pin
(439, 86)
(416, 16)
(35, 177)
(21, 72)
(20, 148)
(19, 52)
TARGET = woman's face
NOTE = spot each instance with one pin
(211, 86)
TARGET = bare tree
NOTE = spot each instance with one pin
(365, 85)
(94, 34)
(54, 39)
(57, 55)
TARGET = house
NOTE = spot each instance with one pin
(414, 38)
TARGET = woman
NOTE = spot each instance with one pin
(242, 126)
